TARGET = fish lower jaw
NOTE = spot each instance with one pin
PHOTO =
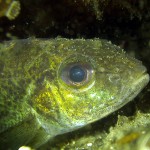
(135, 88)
(140, 83)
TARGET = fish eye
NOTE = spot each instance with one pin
(77, 74)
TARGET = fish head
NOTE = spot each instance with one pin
(93, 78)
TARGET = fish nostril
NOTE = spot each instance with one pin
(114, 78)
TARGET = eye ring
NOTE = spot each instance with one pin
(82, 75)
(86, 66)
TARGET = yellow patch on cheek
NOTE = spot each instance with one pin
(46, 104)
(74, 105)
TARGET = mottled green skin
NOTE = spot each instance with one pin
(36, 104)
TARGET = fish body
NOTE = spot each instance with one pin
(53, 86)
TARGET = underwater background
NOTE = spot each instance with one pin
(125, 23)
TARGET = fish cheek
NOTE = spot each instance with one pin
(46, 105)
(75, 105)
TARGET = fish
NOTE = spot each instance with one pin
(50, 87)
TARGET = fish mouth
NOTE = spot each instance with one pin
(140, 83)
(135, 88)
(131, 92)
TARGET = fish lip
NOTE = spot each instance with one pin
(135, 88)
(141, 81)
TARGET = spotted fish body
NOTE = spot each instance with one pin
(38, 100)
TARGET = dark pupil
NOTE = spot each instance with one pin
(77, 74)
